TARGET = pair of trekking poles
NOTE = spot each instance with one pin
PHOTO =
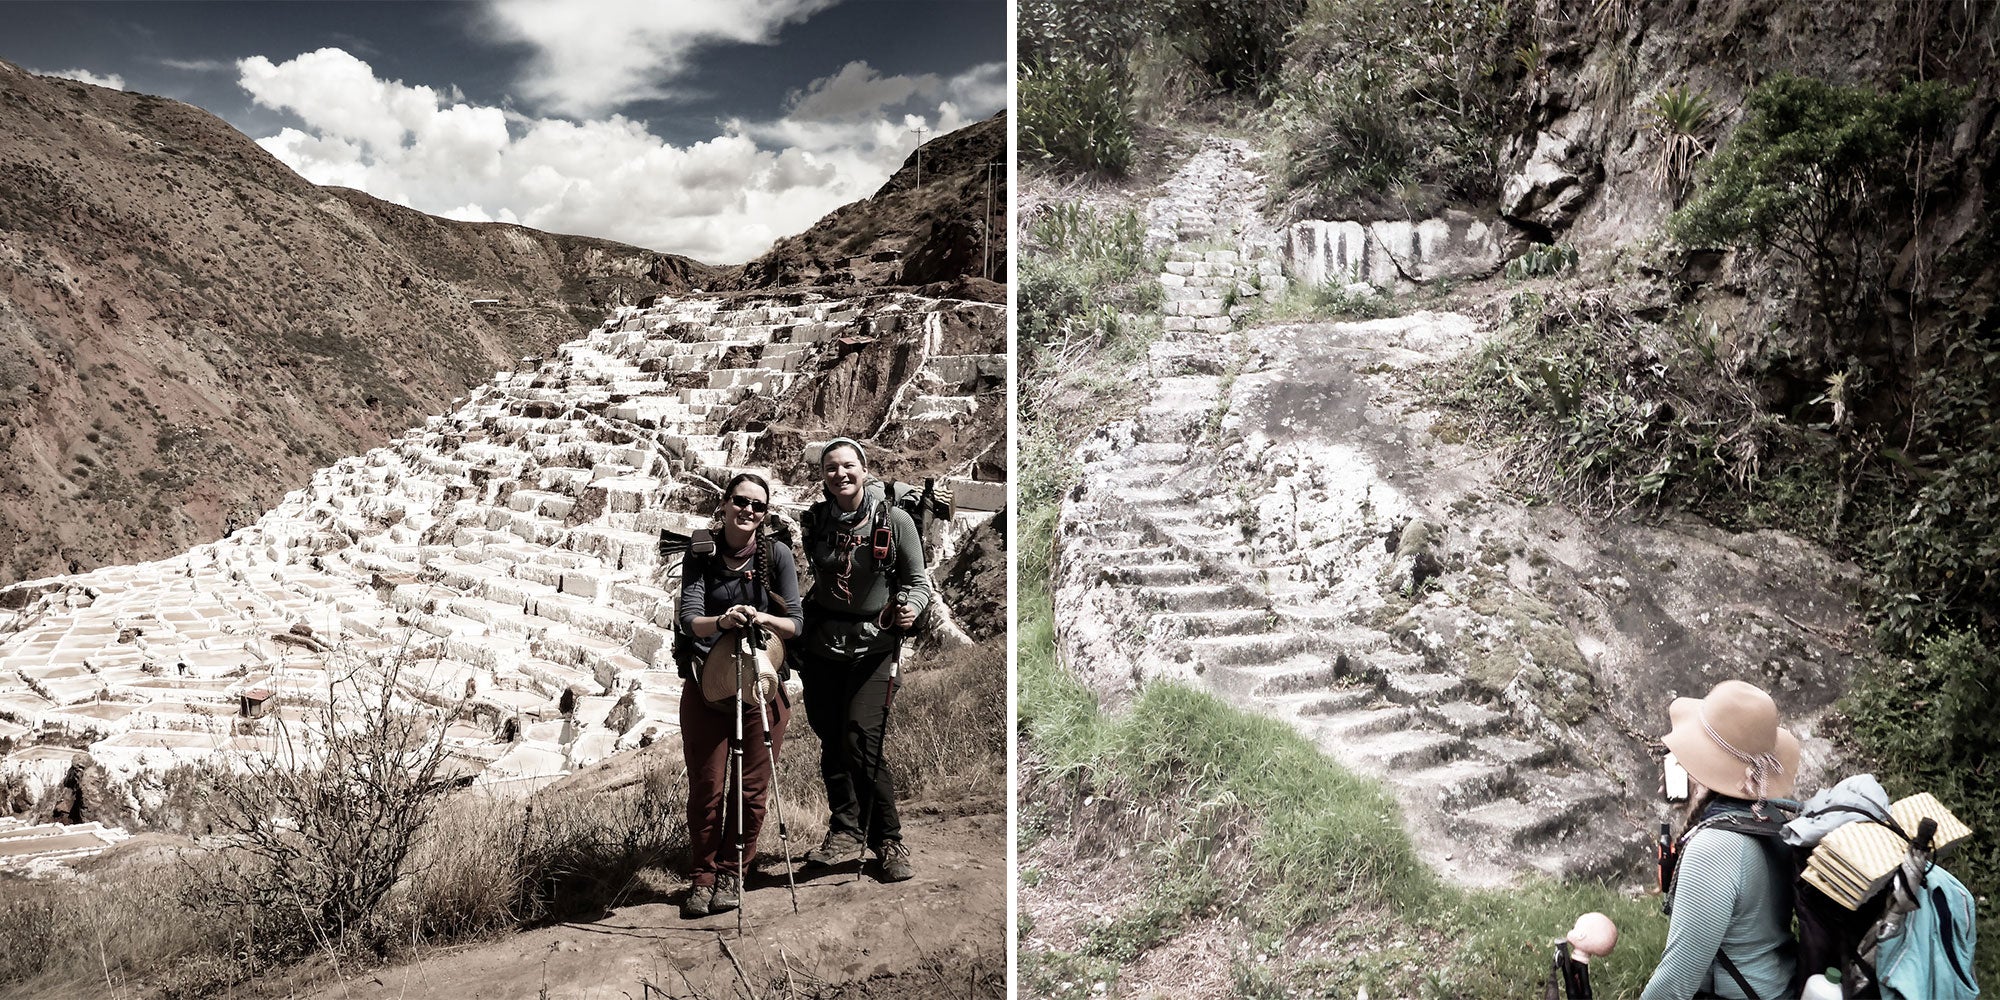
(753, 639)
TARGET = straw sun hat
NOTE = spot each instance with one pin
(1730, 741)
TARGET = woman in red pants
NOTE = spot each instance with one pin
(749, 578)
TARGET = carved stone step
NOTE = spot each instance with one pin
(1198, 596)
(1243, 681)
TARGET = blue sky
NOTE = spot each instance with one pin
(703, 127)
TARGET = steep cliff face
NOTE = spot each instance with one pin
(1586, 166)
(187, 328)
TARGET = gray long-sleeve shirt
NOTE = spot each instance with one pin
(1730, 898)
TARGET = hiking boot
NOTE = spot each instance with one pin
(728, 894)
(894, 860)
(696, 904)
(838, 846)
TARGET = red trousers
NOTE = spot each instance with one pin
(711, 809)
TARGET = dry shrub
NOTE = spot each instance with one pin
(321, 831)
(949, 729)
(488, 864)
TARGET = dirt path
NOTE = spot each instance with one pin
(938, 934)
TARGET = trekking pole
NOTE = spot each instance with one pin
(778, 802)
(736, 754)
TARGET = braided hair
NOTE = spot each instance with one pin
(764, 572)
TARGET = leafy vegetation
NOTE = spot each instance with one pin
(1075, 112)
(1542, 261)
(1389, 102)
(1082, 270)
(1928, 721)
(1814, 175)
(1682, 117)
(1082, 66)
(1606, 411)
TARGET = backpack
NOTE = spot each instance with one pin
(1931, 957)
(1768, 832)
(923, 503)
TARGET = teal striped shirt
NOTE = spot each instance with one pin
(1731, 898)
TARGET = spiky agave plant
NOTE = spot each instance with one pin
(1681, 119)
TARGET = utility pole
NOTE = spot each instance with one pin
(920, 131)
(986, 226)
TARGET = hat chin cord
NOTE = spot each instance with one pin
(1756, 773)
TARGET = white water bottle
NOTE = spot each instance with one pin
(1824, 986)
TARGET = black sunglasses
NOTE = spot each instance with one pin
(757, 506)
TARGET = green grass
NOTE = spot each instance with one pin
(1247, 820)
(1330, 300)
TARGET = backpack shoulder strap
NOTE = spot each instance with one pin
(1768, 832)
(699, 554)
(1743, 984)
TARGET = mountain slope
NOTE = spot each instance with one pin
(927, 224)
(188, 328)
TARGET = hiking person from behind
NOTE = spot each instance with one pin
(869, 587)
(748, 578)
(1729, 879)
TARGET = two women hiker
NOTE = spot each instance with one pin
(869, 586)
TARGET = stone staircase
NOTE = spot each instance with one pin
(1483, 799)
(1153, 543)
(1220, 254)
(503, 554)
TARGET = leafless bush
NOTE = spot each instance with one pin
(322, 828)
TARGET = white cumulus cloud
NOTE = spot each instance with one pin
(591, 56)
(721, 200)
(112, 80)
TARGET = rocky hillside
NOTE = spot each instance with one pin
(188, 329)
(927, 225)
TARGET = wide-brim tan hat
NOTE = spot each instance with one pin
(1731, 739)
(718, 669)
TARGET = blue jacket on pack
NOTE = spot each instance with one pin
(1932, 958)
